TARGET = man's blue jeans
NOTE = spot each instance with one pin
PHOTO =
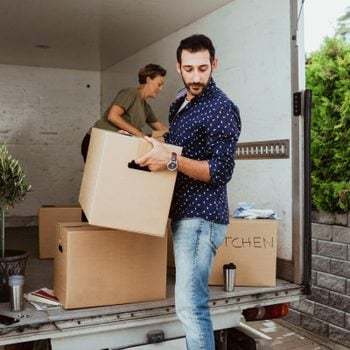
(195, 243)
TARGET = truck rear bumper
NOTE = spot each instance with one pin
(112, 324)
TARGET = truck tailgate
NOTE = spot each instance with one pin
(226, 308)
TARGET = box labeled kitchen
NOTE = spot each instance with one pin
(252, 246)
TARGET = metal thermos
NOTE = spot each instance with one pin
(229, 277)
(16, 283)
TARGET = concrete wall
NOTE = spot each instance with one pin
(327, 311)
(44, 114)
(254, 71)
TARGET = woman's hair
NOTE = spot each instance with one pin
(196, 43)
(150, 70)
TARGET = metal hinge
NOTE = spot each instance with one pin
(274, 149)
(156, 336)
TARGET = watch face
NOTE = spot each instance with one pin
(172, 165)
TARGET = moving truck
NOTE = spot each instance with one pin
(261, 67)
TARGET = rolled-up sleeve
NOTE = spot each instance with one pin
(224, 129)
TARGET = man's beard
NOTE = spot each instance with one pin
(196, 92)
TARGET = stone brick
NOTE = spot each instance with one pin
(320, 231)
(334, 283)
(347, 321)
(340, 268)
(314, 246)
(315, 216)
(319, 295)
(326, 218)
(330, 315)
(305, 306)
(315, 325)
(293, 317)
(339, 335)
(321, 263)
(313, 277)
(337, 346)
(341, 219)
(339, 301)
(341, 234)
(332, 250)
(348, 287)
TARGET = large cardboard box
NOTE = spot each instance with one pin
(116, 196)
(95, 266)
(49, 216)
(252, 246)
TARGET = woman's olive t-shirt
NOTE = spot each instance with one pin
(137, 111)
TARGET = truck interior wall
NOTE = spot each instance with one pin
(254, 71)
(45, 113)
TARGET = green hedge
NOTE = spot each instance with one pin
(328, 76)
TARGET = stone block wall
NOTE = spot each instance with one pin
(326, 312)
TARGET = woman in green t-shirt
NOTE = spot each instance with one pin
(129, 112)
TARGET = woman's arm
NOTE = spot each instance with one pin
(115, 116)
(159, 126)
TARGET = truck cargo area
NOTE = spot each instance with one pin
(117, 322)
(55, 86)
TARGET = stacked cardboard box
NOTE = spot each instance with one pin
(49, 216)
(95, 266)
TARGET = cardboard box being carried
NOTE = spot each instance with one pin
(170, 249)
(115, 195)
(95, 266)
(49, 216)
(252, 246)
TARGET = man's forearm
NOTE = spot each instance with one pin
(197, 169)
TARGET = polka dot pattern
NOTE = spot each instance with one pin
(208, 128)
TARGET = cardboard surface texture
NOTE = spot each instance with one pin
(49, 216)
(115, 196)
(170, 249)
(252, 246)
(95, 266)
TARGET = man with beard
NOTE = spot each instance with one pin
(207, 125)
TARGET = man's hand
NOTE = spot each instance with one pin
(157, 158)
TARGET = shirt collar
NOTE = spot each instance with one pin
(180, 96)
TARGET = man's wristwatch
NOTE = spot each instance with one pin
(172, 164)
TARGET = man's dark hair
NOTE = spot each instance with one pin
(195, 43)
(150, 70)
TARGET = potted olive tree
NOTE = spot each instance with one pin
(13, 189)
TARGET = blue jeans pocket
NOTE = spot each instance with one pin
(217, 234)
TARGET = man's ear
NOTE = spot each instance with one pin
(214, 64)
(178, 67)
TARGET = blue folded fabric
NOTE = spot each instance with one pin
(245, 210)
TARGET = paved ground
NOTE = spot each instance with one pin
(289, 337)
